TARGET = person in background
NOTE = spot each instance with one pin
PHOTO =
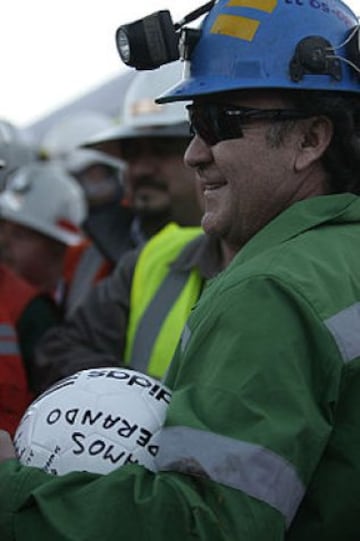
(41, 212)
(102, 179)
(107, 223)
(261, 437)
(25, 313)
(109, 216)
(151, 139)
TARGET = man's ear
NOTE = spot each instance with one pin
(315, 137)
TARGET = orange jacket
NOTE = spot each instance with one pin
(15, 394)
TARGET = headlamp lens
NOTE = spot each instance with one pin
(123, 45)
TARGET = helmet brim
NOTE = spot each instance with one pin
(119, 133)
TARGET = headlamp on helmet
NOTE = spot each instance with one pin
(155, 40)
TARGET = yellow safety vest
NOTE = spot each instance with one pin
(160, 300)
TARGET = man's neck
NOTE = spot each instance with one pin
(228, 253)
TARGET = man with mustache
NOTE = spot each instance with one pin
(151, 139)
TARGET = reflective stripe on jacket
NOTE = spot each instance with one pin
(84, 266)
(161, 299)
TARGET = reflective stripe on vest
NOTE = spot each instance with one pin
(8, 340)
(161, 300)
(254, 470)
(345, 328)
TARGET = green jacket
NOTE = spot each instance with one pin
(262, 439)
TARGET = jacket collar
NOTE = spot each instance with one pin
(203, 253)
(300, 217)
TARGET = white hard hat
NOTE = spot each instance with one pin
(71, 132)
(97, 191)
(43, 197)
(79, 159)
(15, 150)
(141, 116)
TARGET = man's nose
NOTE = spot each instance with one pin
(197, 153)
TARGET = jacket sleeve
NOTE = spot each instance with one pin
(130, 503)
(253, 398)
(94, 335)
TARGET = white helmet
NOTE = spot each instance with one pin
(72, 131)
(98, 191)
(15, 150)
(43, 197)
(79, 159)
(141, 116)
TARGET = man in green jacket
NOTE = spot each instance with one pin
(262, 436)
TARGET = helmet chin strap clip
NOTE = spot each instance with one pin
(314, 55)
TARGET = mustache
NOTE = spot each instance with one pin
(149, 182)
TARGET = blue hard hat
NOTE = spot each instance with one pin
(291, 44)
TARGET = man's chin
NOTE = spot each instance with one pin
(210, 225)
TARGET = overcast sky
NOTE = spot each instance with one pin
(54, 51)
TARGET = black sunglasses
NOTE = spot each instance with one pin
(214, 122)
